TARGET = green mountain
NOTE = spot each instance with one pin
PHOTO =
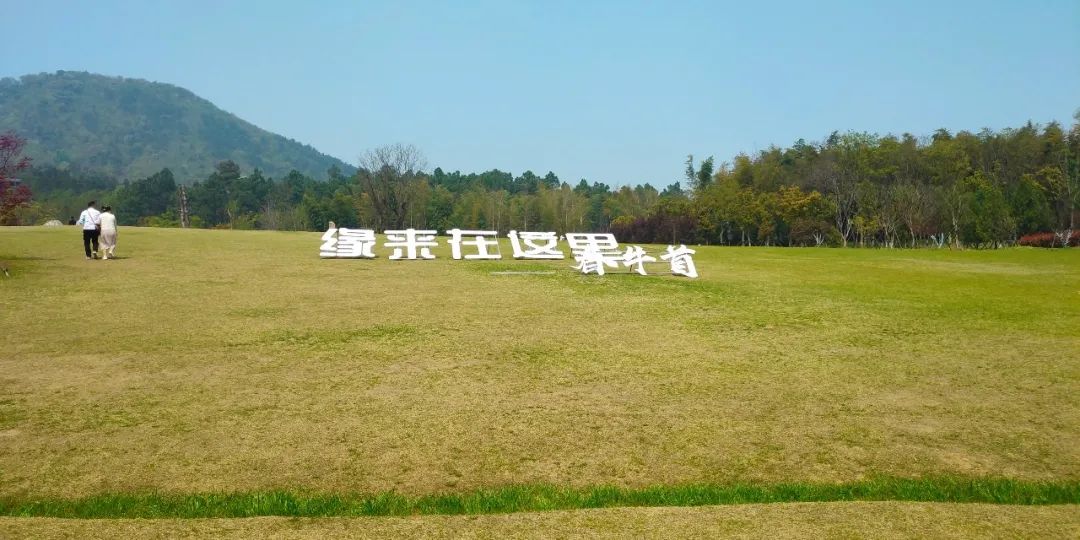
(131, 128)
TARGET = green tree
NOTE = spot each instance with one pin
(210, 199)
(704, 175)
(143, 198)
(986, 220)
(1030, 207)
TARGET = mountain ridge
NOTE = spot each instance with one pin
(132, 128)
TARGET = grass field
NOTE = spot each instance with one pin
(229, 361)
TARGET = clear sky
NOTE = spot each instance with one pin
(618, 92)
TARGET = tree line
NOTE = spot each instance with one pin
(984, 189)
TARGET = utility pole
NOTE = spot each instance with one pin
(185, 220)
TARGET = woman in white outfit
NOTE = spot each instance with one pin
(108, 233)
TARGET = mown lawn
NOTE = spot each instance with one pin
(222, 361)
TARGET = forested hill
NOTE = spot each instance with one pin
(131, 128)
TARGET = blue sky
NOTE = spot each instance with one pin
(618, 92)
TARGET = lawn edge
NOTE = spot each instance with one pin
(539, 497)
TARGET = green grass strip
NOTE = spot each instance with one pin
(541, 497)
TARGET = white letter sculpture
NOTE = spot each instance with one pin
(410, 244)
(593, 260)
(539, 245)
(593, 251)
(355, 243)
(328, 249)
(479, 242)
(636, 256)
(602, 242)
(681, 262)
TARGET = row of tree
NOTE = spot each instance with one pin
(977, 189)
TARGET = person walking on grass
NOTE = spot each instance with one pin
(90, 219)
(108, 233)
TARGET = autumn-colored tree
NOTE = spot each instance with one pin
(13, 194)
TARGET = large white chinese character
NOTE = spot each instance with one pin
(410, 244)
(636, 256)
(328, 249)
(603, 242)
(539, 245)
(681, 262)
(479, 242)
(592, 260)
(355, 243)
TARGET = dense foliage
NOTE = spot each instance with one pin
(130, 128)
(983, 189)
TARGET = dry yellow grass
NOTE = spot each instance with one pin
(233, 361)
(799, 520)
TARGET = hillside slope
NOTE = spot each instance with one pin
(131, 128)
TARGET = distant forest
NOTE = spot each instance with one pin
(984, 189)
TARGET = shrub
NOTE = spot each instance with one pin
(1050, 240)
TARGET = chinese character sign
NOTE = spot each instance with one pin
(348, 244)
(604, 243)
(411, 244)
(681, 262)
(535, 245)
(592, 260)
(329, 243)
(593, 253)
(481, 240)
(635, 256)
